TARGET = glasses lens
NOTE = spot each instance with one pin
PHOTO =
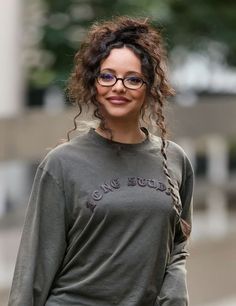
(133, 82)
(106, 79)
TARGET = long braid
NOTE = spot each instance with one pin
(160, 121)
(166, 171)
(186, 228)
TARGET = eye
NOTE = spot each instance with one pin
(134, 80)
(106, 77)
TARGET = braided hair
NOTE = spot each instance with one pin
(146, 42)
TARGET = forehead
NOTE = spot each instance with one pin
(122, 60)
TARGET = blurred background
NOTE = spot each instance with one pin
(38, 42)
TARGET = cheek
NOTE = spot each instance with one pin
(101, 91)
(140, 96)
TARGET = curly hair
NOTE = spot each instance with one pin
(145, 41)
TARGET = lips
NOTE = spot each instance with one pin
(118, 100)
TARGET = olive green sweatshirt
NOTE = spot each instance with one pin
(100, 227)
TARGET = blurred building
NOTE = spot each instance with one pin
(204, 124)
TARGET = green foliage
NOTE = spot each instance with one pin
(194, 23)
(187, 23)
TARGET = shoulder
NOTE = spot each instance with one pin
(178, 158)
(64, 156)
(172, 148)
(175, 149)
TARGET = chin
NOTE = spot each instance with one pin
(119, 113)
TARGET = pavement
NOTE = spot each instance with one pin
(9, 243)
(211, 270)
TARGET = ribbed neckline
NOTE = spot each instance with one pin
(129, 146)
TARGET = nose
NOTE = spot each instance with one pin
(118, 86)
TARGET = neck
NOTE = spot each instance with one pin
(124, 132)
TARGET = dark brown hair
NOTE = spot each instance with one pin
(146, 42)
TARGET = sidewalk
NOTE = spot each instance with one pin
(231, 301)
(9, 243)
(4, 297)
(212, 272)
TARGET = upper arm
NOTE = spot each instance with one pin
(43, 242)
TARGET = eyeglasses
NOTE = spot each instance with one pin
(130, 82)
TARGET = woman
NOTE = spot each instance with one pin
(110, 211)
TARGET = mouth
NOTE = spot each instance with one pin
(118, 100)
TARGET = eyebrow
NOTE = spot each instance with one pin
(128, 72)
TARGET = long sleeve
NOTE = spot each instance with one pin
(43, 242)
(174, 290)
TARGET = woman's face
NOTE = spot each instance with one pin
(117, 101)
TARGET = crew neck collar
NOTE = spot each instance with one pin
(102, 140)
